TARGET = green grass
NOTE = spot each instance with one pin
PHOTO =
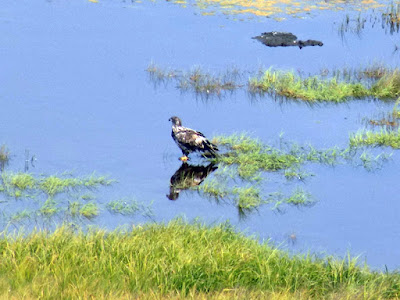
(89, 210)
(4, 156)
(176, 260)
(251, 156)
(208, 84)
(379, 138)
(197, 80)
(248, 197)
(245, 165)
(373, 81)
(129, 207)
(289, 85)
(49, 196)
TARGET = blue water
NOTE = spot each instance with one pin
(74, 91)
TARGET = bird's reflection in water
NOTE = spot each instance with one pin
(188, 176)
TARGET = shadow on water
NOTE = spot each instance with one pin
(188, 176)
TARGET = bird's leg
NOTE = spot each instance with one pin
(184, 158)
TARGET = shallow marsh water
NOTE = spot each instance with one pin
(74, 91)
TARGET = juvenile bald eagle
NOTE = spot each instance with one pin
(188, 176)
(189, 140)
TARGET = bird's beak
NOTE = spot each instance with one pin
(169, 119)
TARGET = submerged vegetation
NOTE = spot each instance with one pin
(44, 195)
(291, 86)
(371, 138)
(374, 81)
(176, 260)
(201, 82)
(248, 162)
(387, 19)
(317, 89)
(388, 135)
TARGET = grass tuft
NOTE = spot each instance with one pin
(380, 138)
(4, 156)
(289, 85)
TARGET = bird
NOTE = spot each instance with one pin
(188, 176)
(189, 140)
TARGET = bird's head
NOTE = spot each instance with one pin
(175, 121)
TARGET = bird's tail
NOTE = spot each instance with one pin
(212, 148)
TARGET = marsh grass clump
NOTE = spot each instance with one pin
(214, 188)
(202, 83)
(247, 197)
(54, 184)
(49, 208)
(387, 87)
(89, 210)
(289, 85)
(373, 81)
(49, 196)
(4, 156)
(176, 260)
(247, 163)
(129, 207)
(252, 156)
(17, 184)
(388, 136)
(160, 74)
(392, 17)
(298, 198)
(205, 83)
(372, 138)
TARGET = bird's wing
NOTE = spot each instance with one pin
(191, 137)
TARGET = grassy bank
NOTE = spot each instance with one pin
(174, 261)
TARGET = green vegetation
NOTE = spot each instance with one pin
(388, 135)
(176, 260)
(129, 207)
(298, 198)
(204, 83)
(389, 19)
(252, 156)
(289, 85)
(248, 162)
(49, 196)
(201, 82)
(373, 81)
(317, 89)
(381, 138)
(89, 210)
(4, 156)
(14, 184)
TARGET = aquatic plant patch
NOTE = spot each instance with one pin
(374, 81)
(197, 80)
(47, 196)
(178, 260)
(387, 17)
(130, 207)
(383, 137)
(292, 86)
(244, 168)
